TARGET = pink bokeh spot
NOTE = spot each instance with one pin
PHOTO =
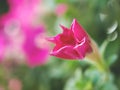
(73, 43)
(14, 84)
(61, 9)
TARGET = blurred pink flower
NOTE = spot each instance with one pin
(73, 43)
(10, 34)
(23, 10)
(18, 34)
(35, 47)
(61, 9)
(2, 49)
(14, 84)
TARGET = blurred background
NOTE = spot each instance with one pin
(25, 63)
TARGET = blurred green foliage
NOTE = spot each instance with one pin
(59, 74)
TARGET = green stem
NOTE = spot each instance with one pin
(97, 58)
(101, 66)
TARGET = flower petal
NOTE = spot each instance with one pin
(65, 38)
(83, 48)
(65, 30)
(35, 55)
(73, 43)
(66, 52)
(79, 32)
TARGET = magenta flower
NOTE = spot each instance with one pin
(35, 47)
(21, 8)
(10, 35)
(18, 35)
(73, 43)
(2, 47)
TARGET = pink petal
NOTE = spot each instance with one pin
(66, 52)
(65, 30)
(71, 44)
(65, 38)
(83, 48)
(35, 55)
(61, 40)
(2, 48)
(21, 8)
(79, 32)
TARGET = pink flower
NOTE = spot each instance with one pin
(73, 43)
(23, 10)
(2, 47)
(60, 9)
(35, 47)
(10, 35)
(18, 35)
